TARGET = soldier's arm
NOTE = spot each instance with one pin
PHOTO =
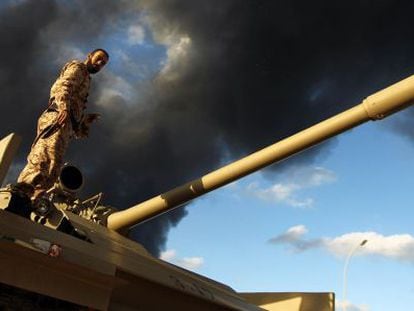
(67, 84)
(83, 130)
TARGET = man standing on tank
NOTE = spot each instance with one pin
(64, 119)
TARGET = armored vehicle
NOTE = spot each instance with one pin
(73, 249)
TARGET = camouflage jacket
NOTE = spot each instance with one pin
(70, 93)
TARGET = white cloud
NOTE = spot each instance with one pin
(190, 263)
(177, 53)
(136, 35)
(397, 247)
(294, 238)
(114, 86)
(297, 231)
(339, 305)
(168, 255)
(281, 193)
(291, 235)
(316, 176)
(178, 44)
(296, 180)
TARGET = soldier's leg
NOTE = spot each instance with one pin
(36, 172)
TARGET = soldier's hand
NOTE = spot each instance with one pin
(92, 117)
(62, 117)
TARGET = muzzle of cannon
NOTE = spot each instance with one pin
(70, 179)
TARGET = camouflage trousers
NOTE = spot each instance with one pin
(46, 155)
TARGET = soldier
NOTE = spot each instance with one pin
(63, 120)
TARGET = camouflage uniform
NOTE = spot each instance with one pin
(69, 92)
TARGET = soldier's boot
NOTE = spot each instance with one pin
(16, 199)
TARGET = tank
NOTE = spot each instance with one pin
(74, 250)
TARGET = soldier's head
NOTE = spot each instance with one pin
(96, 60)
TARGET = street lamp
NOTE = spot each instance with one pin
(348, 258)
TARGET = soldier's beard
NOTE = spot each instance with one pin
(91, 68)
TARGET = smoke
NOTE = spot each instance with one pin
(213, 81)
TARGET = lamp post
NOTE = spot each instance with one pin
(348, 258)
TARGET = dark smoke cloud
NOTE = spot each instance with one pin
(255, 72)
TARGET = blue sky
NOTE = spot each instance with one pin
(371, 192)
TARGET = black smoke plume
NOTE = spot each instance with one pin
(254, 72)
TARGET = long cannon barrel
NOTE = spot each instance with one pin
(374, 107)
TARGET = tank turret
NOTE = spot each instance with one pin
(375, 107)
(57, 249)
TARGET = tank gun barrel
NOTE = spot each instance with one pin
(377, 106)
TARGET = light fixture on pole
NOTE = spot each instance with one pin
(348, 258)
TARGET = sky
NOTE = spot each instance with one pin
(191, 86)
(257, 235)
